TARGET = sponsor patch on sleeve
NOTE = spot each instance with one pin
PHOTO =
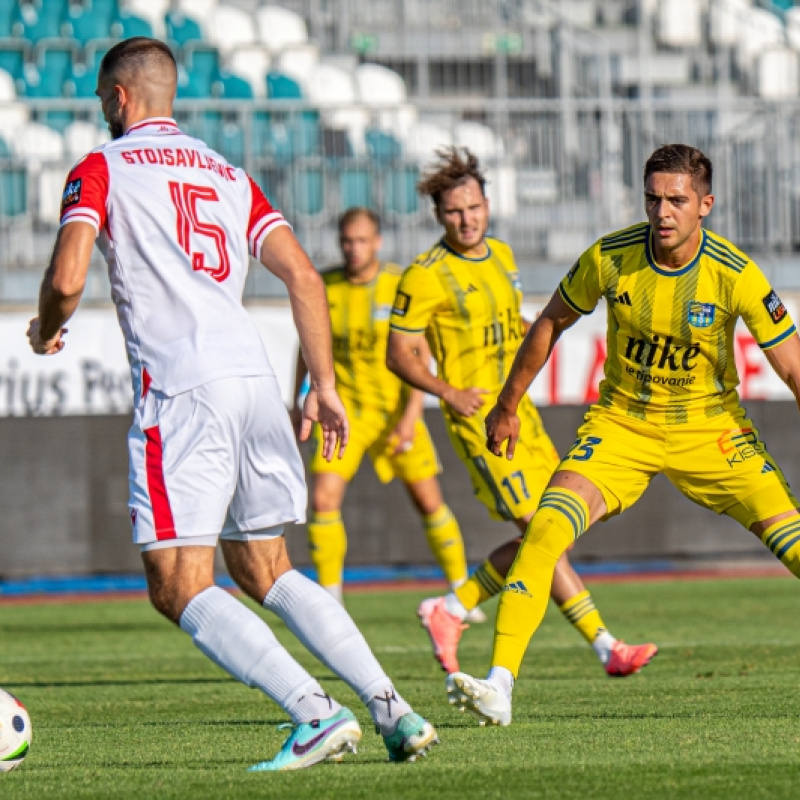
(775, 308)
(401, 303)
(72, 194)
(573, 269)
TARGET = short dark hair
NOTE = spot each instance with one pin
(685, 160)
(354, 213)
(130, 54)
(455, 165)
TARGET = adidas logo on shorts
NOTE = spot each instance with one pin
(518, 587)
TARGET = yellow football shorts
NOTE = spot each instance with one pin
(719, 463)
(371, 433)
(509, 489)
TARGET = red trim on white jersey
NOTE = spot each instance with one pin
(162, 124)
(86, 192)
(263, 219)
(163, 521)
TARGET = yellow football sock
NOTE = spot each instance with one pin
(561, 518)
(446, 544)
(582, 613)
(783, 539)
(484, 583)
(327, 543)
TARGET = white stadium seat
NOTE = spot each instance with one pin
(329, 84)
(7, 89)
(201, 11)
(298, 61)
(778, 73)
(761, 30)
(37, 144)
(679, 23)
(251, 62)
(81, 137)
(424, 137)
(151, 10)
(279, 28)
(377, 85)
(230, 27)
(480, 139)
(725, 21)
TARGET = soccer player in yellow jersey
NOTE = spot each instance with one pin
(463, 297)
(668, 401)
(385, 414)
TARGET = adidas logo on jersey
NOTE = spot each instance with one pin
(518, 587)
(767, 468)
(624, 299)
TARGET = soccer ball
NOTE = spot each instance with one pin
(15, 732)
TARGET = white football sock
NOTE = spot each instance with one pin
(239, 641)
(502, 679)
(455, 607)
(327, 630)
(602, 645)
(335, 591)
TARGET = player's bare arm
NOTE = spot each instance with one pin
(62, 287)
(785, 360)
(502, 422)
(282, 255)
(404, 357)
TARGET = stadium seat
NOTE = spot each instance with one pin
(202, 60)
(481, 139)
(761, 30)
(355, 187)
(127, 25)
(82, 81)
(306, 191)
(382, 147)
(379, 85)
(193, 85)
(231, 143)
(329, 84)
(726, 20)
(151, 10)
(13, 56)
(8, 90)
(13, 118)
(83, 24)
(251, 62)
(279, 28)
(298, 62)
(13, 191)
(182, 29)
(234, 87)
(400, 196)
(8, 10)
(37, 144)
(199, 10)
(679, 23)
(778, 69)
(282, 87)
(33, 22)
(54, 60)
(424, 138)
(229, 27)
(81, 137)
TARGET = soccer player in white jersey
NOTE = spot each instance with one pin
(212, 451)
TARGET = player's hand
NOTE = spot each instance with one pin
(501, 427)
(466, 401)
(402, 437)
(44, 347)
(325, 406)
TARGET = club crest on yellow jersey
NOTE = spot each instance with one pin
(701, 315)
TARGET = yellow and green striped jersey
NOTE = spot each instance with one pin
(469, 310)
(670, 356)
(360, 327)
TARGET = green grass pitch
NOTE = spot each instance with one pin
(123, 706)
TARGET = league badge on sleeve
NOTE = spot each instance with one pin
(775, 308)
(401, 303)
(701, 315)
(72, 194)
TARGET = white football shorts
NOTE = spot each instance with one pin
(219, 459)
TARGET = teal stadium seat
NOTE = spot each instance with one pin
(81, 82)
(202, 61)
(127, 25)
(355, 187)
(13, 185)
(282, 87)
(182, 29)
(193, 86)
(382, 147)
(306, 191)
(85, 23)
(400, 196)
(13, 56)
(8, 10)
(234, 87)
(35, 21)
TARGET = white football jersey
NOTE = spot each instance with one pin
(176, 224)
